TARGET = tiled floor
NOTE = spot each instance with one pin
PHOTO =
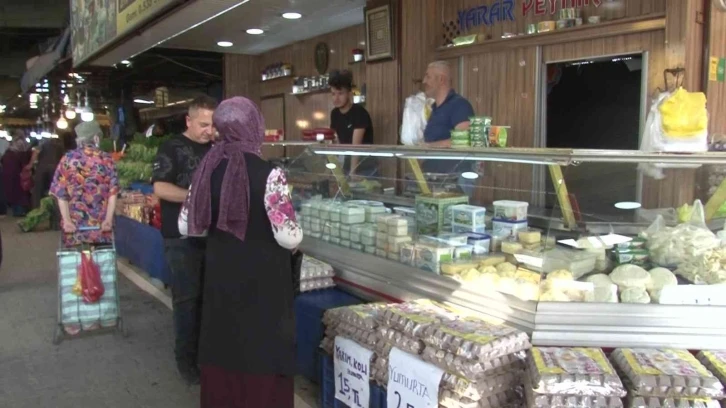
(97, 371)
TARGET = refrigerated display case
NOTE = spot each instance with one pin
(568, 245)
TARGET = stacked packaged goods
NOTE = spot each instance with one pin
(666, 377)
(315, 275)
(577, 377)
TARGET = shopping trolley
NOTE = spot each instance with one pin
(76, 317)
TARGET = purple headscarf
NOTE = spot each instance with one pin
(242, 130)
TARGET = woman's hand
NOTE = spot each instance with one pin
(68, 227)
(107, 225)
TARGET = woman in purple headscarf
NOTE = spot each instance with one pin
(246, 345)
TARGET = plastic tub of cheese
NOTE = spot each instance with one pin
(506, 210)
(352, 215)
(578, 262)
(666, 373)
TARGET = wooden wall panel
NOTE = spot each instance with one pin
(716, 91)
(419, 26)
(273, 110)
(502, 85)
(239, 78)
(607, 10)
(684, 40)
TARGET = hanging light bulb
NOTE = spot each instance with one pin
(87, 113)
(62, 123)
(70, 113)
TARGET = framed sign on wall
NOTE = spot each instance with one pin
(379, 33)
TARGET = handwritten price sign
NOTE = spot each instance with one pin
(352, 364)
(412, 382)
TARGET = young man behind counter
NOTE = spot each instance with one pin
(173, 168)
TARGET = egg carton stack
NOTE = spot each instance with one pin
(401, 326)
(315, 275)
(392, 233)
(715, 361)
(571, 377)
(483, 362)
(666, 378)
(357, 323)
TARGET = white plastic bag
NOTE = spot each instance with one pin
(655, 139)
(182, 221)
(414, 119)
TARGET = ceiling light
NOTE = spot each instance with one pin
(331, 166)
(291, 16)
(87, 116)
(70, 114)
(225, 44)
(469, 175)
(627, 205)
(126, 62)
(144, 101)
(255, 31)
(62, 123)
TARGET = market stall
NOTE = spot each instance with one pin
(638, 278)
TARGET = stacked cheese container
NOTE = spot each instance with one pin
(315, 275)
(666, 377)
(571, 377)
(508, 219)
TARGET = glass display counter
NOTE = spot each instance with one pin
(577, 247)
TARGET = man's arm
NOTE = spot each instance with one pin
(358, 135)
(169, 192)
(110, 208)
(440, 143)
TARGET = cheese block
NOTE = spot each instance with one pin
(457, 268)
(529, 237)
(511, 247)
(394, 244)
(492, 261)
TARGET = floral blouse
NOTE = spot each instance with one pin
(86, 178)
(280, 211)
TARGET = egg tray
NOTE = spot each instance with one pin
(513, 397)
(412, 318)
(655, 402)
(363, 337)
(475, 339)
(649, 373)
(365, 316)
(471, 369)
(535, 400)
(388, 338)
(483, 388)
(573, 371)
(328, 344)
(715, 362)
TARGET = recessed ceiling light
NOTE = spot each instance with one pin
(331, 166)
(225, 43)
(255, 31)
(469, 175)
(126, 62)
(627, 205)
(291, 16)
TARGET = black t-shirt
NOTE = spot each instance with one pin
(175, 163)
(344, 124)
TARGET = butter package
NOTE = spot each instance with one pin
(468, 216)
(508, 228)
(715, 361)
(575, 371)
(432, 212)
(430, 256)
(639, 257)
(382, 241)
(480, 243)
(447, 239)
(382, 222)
(344, 231)
(666, 373)
(407, 253)
(475, 339)
(463, 252)
(458, 229)
(373, 211)
(397, 226)
(352, 215)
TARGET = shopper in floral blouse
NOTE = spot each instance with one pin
(247, 338)
(86, 185)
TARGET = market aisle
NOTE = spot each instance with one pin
(104, 370)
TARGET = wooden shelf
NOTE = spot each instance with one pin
(651, 22)
(314, 91)
(279, 77)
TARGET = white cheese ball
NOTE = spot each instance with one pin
(553, 296)
(562, 274)
(599, 280)
(603, 294)
(634, 295)
(630, 276)
(660, 278)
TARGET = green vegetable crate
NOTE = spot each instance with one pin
(433, 213)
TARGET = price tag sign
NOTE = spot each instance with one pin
(711, 295)
(352, 364)
(412, 382)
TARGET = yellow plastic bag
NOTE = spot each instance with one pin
(684, 114)
(77, 287)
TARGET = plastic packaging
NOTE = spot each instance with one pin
(715, 361)
(352, 215)
(655, 402)
(411, 318)
(506, 210)
(471, 369)
(535, 400)
(487, 387)
(666, 373)
(573, 371)
(91, 285)
(475, 339)
(508, 399)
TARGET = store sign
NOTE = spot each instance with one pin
(412, 382)
(498, 11)
(352, 365)
(131, 13)
(543, 7)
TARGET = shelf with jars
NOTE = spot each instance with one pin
(310, 84)
(276, 71)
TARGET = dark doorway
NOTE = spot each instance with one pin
(596, 104)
